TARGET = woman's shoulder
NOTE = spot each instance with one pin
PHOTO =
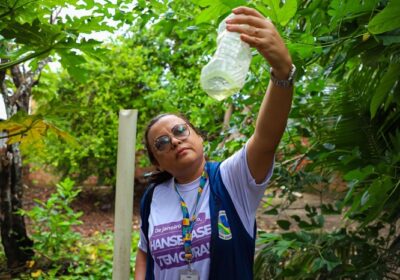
(155, 188)
(237, 158)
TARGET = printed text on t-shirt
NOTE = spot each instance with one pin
(167, 247)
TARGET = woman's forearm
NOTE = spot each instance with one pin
(272, 117)
(140, 265)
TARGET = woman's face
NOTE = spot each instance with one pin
(179, 154)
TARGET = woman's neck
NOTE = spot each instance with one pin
(191, 174)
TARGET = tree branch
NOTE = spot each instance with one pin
(38, 71)
(14, 8)
(17, 76)
(3, 89)
(6, 13)
(21, 132)
(15, 134)
(40, 67)
(227, 117)
(23, 59)
(24, 83)
(2, 75)
(54, 15)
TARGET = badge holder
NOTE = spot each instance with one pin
(189, 274)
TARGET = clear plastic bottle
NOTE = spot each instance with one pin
(226, 72)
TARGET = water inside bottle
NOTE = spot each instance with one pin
(219, 88)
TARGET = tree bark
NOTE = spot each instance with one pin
(16, 243)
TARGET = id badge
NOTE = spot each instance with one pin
(189, 274)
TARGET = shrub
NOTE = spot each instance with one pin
(62, 253)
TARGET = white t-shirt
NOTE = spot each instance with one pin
(165, 219)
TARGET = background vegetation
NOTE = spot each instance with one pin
(345, 120)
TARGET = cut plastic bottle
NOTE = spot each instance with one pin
(226, 72)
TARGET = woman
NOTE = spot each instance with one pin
(200, 224)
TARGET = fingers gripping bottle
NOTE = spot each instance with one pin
(226, 72)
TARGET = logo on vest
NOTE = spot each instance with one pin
(224, 231)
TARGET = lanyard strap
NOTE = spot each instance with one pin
(187, 223)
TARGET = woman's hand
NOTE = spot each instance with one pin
(261, 34)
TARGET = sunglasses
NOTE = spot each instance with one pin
(179, 131)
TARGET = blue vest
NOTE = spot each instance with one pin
(232, 255)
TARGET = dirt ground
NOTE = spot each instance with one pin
(97, 204)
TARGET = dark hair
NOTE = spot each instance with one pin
(158, 177)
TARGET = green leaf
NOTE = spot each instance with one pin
(284, 224)
(305, 225)
(265, 237)
(376, 194)
(212, 12)
(204, 3)
(282, 246)
(304, 47)
(329, 209)
(65, 223)
(312, 7)
(89, 4)
(390, 38)
(234, 3)
(272, 211)
(319, 221)
(340, 9)
(359, 174)
(384, 87)
(332, 264)
(317, 264)
(281, 13)
(78, 73)
(142, 3)
(70, 58)
(304, 236)
(329, 146)
(296, 218)
(160, 8)
(365, 197)
(388, 19)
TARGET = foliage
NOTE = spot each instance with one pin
(31, 30)
(91, 259)
(140, 72)
(33, 33)
(30, 130)
(53, 221)
(341, 254)
(346, 107)
(62, 253)
(344, 121)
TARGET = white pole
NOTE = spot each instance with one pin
(124, 194)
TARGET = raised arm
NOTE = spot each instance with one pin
(261, 34)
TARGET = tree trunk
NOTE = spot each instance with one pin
(16, 243)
